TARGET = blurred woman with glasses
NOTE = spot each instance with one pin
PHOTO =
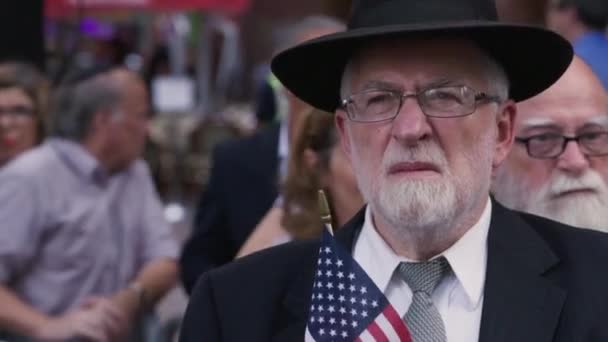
(23, 106)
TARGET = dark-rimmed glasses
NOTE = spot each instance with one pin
(552, 145)
(440, 102)
(17, 111)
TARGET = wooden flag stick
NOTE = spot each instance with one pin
(325, 212)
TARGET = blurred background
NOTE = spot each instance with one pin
(202, 60)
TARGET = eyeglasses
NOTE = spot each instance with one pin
(17, 111)
(552, 145)
(440, 102)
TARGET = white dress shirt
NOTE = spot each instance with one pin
(458, 296)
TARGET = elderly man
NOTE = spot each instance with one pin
(559, 166)
(84, 248)
(423, 93)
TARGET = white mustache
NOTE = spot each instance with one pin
(428, 152)
(562, 183)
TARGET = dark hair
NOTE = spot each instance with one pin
(301, 210)
(31, 81)
(592, 13)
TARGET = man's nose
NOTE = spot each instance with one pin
(5, 121)
(411, 124)
(572, 160)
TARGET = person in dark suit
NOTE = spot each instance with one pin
(242, 187)
(424, 97)
(245, 175)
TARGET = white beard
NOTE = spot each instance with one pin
(588, 210)
(425, 207)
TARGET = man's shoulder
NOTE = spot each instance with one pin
(565, 240)
(35, 163)
(277, 264)
(268, 274)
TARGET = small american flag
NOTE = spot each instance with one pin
(346, 305)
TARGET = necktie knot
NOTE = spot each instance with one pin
(424, 276)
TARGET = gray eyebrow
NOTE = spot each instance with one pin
(378, 84)
(384, 85)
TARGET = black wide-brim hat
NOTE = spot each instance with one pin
(532, 57)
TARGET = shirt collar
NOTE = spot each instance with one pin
(78, 158)
(467, 257)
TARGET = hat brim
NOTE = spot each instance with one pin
(532, 57)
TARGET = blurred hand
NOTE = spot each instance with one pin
(114, 317)
(85, 323)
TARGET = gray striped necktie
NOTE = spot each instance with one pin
(422, 318)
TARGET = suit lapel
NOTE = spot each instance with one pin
(297, 298)
(519, 303)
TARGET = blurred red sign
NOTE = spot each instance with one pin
(62, 8)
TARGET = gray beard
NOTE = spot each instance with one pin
(584, 210)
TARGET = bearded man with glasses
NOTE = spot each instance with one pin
(424, 96)
(559, 166)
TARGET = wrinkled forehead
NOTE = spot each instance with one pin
(416, 60)
(567, 111)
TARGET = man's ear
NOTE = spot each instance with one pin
(341, 122)
(505, 124)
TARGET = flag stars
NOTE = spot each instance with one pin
(319, 296)
(332, 321)
(332, 333)
(364, 302)
(353, 300)
(339, 263)
(375, 304)
(351, 276)
(320, 308)
(340, 275)
(329, 273)
(364, 314)
(354, 324)
(331, 309)
(321, 331)
(353, 312)
(342, 299)
(352, 288)
(344, 334)
(363, 290)
(342, 310)
(329, 285)
(330, 297)
(319, 273)
(321, 320)
(327, 250)
(343, 322)
(341, 287)
(328, 262)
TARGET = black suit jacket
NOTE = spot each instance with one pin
(242, 187)
(544, 282)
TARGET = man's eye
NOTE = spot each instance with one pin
(593, 135)
(377, 98)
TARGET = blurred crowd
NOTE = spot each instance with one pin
(87, 250)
